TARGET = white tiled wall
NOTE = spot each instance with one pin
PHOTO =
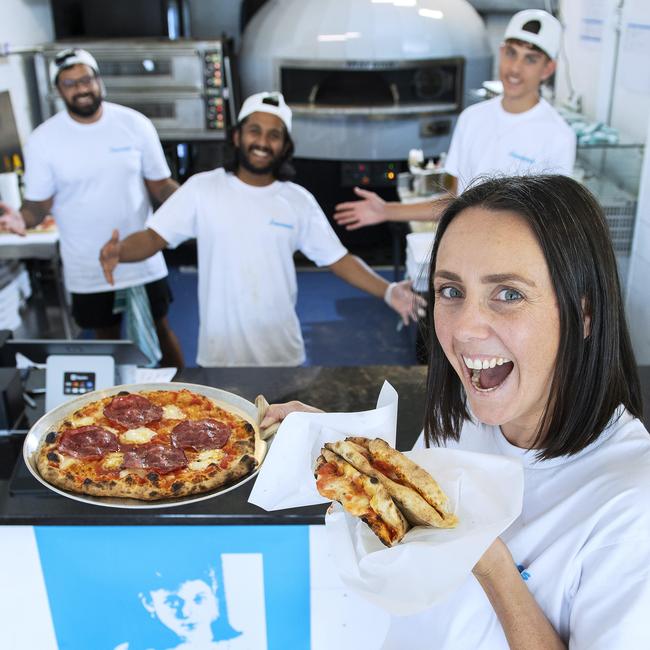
(22, 23)
(638, 282)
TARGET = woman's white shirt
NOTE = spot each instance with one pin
(582, 543)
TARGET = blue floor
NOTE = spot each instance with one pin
(341, 325)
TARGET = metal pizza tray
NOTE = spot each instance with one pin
(50, 421)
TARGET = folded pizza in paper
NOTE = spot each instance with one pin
(485, 493)
(286, 479)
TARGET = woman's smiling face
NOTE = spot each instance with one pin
(496, 309)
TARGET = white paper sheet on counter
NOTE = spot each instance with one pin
(485, 492)
(286, 478)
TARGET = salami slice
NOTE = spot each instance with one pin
(160, 458)
(87, 442)
(200, 434)
(132, 410)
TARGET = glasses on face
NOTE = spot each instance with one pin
(86, 80)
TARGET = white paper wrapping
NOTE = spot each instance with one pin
(484, 491)
(286, 478)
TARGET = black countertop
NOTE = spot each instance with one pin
(332, 389)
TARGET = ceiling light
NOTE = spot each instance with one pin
(431, 13)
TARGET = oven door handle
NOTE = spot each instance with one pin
(231, 89)
(312, 94)
(394, 93)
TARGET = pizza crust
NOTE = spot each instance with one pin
(416, 510)
(151, 490)
(413, 476)
(362, 496)
(77, 475)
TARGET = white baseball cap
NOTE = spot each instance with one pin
(536, 27)
(69, 57)
(266, 102)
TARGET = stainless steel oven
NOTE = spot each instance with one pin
(185, 87)
(371, 80)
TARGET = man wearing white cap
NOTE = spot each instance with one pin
(518, 132)
(94, 167)
(249, 220)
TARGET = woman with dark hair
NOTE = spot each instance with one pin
(530, 358)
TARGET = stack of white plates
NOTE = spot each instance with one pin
(418, 257)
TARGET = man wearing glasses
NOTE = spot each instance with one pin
(97, 166)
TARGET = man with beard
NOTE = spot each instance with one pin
(248, 220)
(94, 167)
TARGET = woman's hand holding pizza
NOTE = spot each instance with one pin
(277, 412)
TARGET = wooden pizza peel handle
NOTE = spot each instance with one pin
(262, 407)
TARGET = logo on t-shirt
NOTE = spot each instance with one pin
(522, 570)
(521, 158)
(280, 224)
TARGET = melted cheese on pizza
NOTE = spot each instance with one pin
(137, 436)
(113, 460)
(82, 421)
(207, 457)
(172, 412)
(66, 461)
(343, 489)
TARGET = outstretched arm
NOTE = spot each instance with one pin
(372, 209)
(399, 296)
(522, 619)
(135, 248)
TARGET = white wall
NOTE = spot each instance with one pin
(631, 105)
(22, 23)
(611, 71)
(637, 302)
(586, 24)
(631, 110)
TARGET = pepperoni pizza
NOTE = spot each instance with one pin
(149, 445)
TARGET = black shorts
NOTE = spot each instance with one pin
(95, 310)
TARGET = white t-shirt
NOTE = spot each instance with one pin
(246, 238)
(488, 140)
(582, 544)
(95, 173)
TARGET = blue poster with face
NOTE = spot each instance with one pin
(177, 587)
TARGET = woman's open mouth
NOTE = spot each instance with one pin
(488, 374)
